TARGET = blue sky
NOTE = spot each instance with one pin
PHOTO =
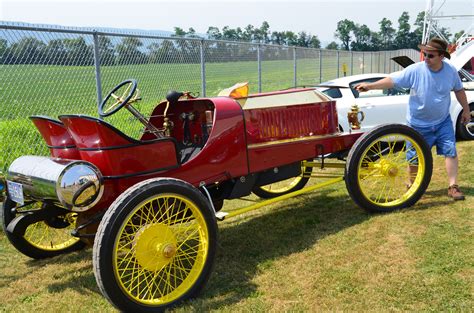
(313, 16)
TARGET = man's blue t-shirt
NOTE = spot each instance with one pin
(430, 92)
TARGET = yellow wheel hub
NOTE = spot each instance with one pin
(155, 246)
(384, 170)
(388, 169)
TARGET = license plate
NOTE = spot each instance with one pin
(15, 191)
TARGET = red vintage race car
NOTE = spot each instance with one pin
(150, 206)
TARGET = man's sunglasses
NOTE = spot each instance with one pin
(428, 55)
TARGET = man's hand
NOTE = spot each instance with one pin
(465, 117)
(362, 87)
(384, 83)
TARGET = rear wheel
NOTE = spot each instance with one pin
(42, 239)
(466, 131)
(285, 186)
(388, 168)
(155, 246)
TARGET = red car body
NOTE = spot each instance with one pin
(240, 142)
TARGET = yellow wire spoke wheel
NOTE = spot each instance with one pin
(42, 239)
(388, 168)
(155, 246)
(43, 236)
(285, 186)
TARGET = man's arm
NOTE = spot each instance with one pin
(384, 83)
(462, 99)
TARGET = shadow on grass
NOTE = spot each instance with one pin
(443, 192)
(244, 245)
(74, 272)
(441, 197)
(292, 228)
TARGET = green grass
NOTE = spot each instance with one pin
(316, 252)
(54, 90)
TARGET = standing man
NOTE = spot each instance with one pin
(431, 83)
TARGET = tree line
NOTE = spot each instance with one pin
(353, 36)
(132, 50)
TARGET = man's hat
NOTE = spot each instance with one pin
(436, 44)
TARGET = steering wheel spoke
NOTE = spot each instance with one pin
(116, 97)
(112, 106)
(109, 107)
(125, 92)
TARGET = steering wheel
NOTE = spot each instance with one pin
(126, 88)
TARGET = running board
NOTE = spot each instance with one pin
(223, 215)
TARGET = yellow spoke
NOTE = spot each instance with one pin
(192, 234)
(126, 91)
(123, 259)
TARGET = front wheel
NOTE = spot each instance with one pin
(42, 239)
(155, 246)
(388, 168)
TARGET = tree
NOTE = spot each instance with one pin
(78, 52)
(446, 33)
(28, 50)
(106, 51)
(307, 40)
(291, 39)
(375, 41)
(386, 33)
(3, 50)
(303, 39)
(277, 38)
(262, 34)
(189, 49)
(362, 38)
(128, 51)
(455, 38)
(214, 33)
(314, 42)
(231, 34)
(403, 37)
(55, 52)
(179, 32)
(191, 33)
(343, 32)
(162, 53)
(332, 46)
(249, 33)
(417, 35)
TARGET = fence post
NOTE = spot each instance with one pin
(98, 80)
(385, 61)
(363, 62)
(259, 66)
(320, 66)
(337, 64)
(294, 66)
(203, 69)
(388, 61)
(371, 57)
(352, 63)
(379, 69)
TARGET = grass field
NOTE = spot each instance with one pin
(316, 252)
(54, 90)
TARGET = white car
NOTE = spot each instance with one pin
(390, 105)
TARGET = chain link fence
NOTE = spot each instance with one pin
(46, 70)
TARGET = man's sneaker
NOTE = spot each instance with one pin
(455, 193)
